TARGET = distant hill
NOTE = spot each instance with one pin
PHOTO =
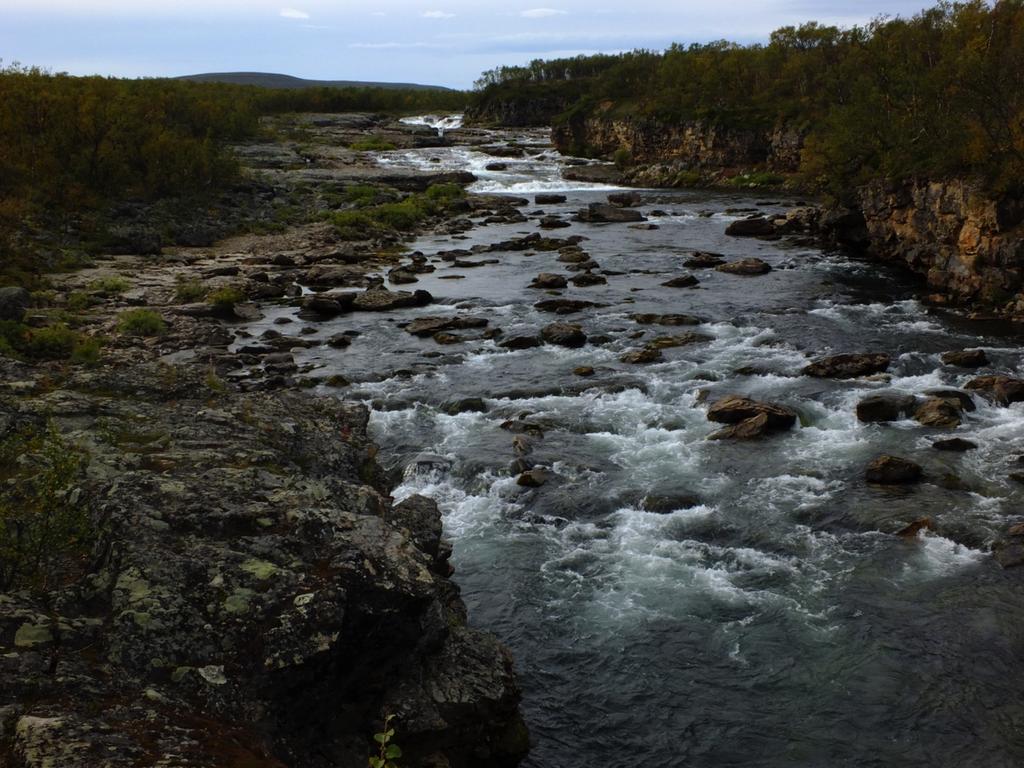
(269, 80)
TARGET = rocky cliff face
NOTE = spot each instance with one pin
(685, 146)
(254, 598)
(969, 246)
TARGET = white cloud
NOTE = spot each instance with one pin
(437, 15)
(294, 13)
(542, 13)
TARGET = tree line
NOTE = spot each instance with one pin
(938, 94)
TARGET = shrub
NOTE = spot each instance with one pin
(401, 216)
(109, 286)
(141, 322)
(190, 291)
(55, 342)
(226, 298)
(622, 158)
(79, 301)
(44, 525)
(361, 195)
(86, 352)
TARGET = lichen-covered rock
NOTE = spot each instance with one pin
(254, 596)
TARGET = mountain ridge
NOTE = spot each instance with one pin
(275, 80)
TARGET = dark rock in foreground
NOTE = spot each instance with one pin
(747, 267)
(757, 226)
(14, 301)
(605, 213)
(1002, 390)
(966, 358)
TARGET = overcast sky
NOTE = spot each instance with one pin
(442, 42)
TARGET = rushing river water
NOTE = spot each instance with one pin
(773, 618)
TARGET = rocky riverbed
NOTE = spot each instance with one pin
(728, 497)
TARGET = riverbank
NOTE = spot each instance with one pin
(237, 587)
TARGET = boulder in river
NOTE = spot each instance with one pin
(964, 400)
(553, 222)
(683, 281)
(564, 335)
(642, 356)
(564, 306)
(746, 267)
(955, 445)
(428, 326)
(735, 409)
(548, 199)
(549, 281)
(1002, 390)
(599, 213)
(678, 340)
(847, 366)
(892, 470)
(755, 226)
(587, 279)
(651, 319)
(886, 406)
(704, 260)
(534, 478)
(382, 300)
(521, 342)
(328, 304)
(938, 412)
(465, 405)
(625, 199)
(966, 358)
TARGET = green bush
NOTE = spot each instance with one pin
(55, 342)
(87, 352)
(371, 144)
(141, 322)
(45, 530)
(190, 291)
(757, 179)
(361, 195)
(389, 218)
(109, 286)
(622, 158)
(79, 301)
(225, 298)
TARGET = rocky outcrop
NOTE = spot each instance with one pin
(680, 146)
(968, 245)
(253, 597)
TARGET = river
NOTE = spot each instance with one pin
(766, 614)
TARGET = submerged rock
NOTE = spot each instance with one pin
(428, 326)
(892, 470)
(548, 281)
(954, 444)
(704, 260)
(747, 267)
(683, 281)
(596, 213)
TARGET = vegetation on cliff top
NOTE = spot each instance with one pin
(71, 146)
(940, 94)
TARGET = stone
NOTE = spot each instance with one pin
(954, 444)
(938, 412)
(521, 342)
(755, 226)
(734, 409)
(746, 267)
(554, 222)
(597, 213)
(14, 301)
(588, 279)
(466, 405)
(428, 326)
(534, 478)
(649, 319)
(661, 504)
(748, 429)
(683, 281)
(339, 341)
(847, 366)
(382, 300)
(964, 399)
(1002, 390)
(892, 470)
(704, 260)
(564, 306)
(886, 406)
(583, 370)
(625, 199)
(329, 305)
(966, 358)
(642, 356)
(548, 199)
(564, 335)
(549, 281)
(679, 340)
